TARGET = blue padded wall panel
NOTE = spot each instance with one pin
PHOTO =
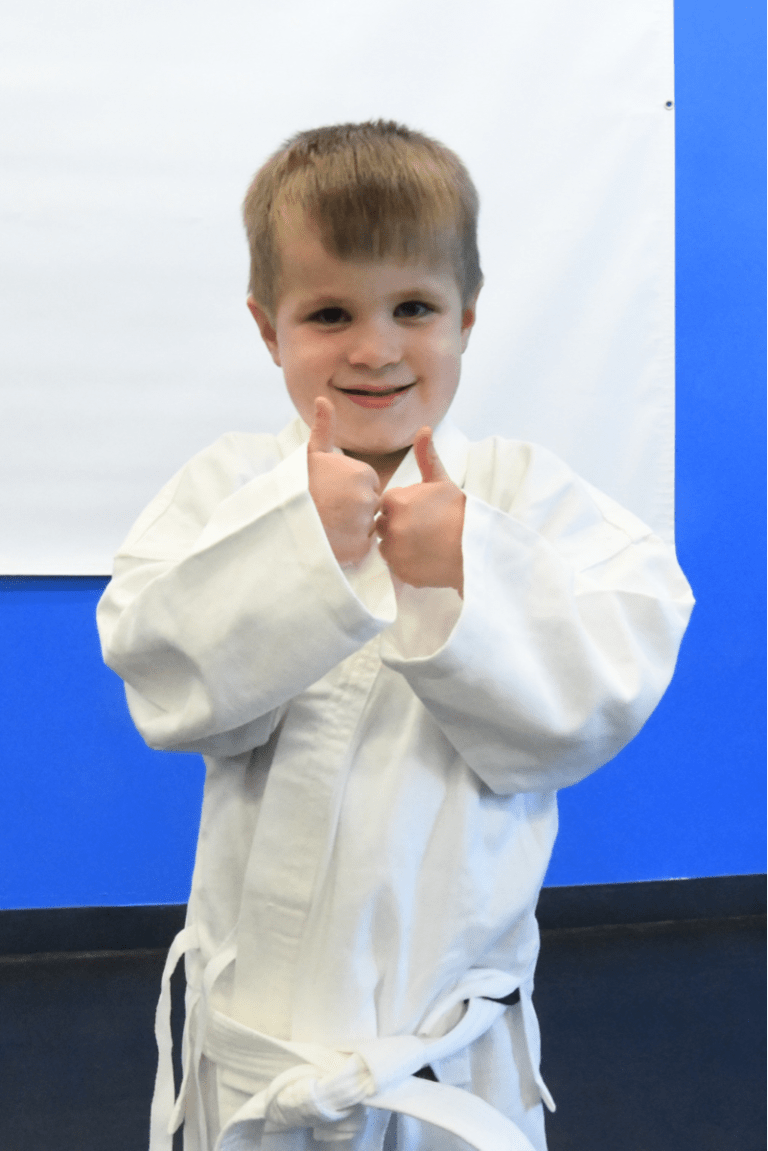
(90, 815)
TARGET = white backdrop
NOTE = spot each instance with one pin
(135, 128)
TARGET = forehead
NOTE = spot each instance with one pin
(306, 264)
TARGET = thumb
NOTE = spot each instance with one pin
(430, 465)
(323, 430)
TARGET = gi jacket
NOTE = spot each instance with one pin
(382, 763)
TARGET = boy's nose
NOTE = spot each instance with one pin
(375, 346)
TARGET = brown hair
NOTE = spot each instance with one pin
(374, 189)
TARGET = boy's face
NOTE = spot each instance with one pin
(381, 339)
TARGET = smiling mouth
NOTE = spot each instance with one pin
(375, 391)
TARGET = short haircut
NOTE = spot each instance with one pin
(375, 189)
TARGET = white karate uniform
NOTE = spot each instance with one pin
(382, 763)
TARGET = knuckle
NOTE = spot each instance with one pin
(396, 498)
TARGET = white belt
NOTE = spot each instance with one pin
(308, 1085)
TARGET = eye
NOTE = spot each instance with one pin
(413, 310)
(329, 316)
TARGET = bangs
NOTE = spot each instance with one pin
(384, 211)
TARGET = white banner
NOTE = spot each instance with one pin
(135, 128)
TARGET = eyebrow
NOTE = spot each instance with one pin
(317, 303)
(412, 290)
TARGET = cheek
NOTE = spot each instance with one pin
(306, 370)
(312, 360)
(445, 349)
(446, 361)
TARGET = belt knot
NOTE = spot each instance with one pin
(309, 1096)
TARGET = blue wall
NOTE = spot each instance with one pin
(90, 816)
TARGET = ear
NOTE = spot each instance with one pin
(468, 319)
(266, 327)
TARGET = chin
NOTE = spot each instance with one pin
(379, 448)
(356, 440)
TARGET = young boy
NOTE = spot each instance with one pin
(392, 646)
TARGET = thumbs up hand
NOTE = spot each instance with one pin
(421, 526)
(345, 491)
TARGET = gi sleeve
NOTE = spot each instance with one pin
(226, 601)
(566, 640)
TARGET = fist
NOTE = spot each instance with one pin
(346, 492)
(420, 527)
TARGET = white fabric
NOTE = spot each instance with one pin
(135, 130)
(291, 1085)
(382, 761)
